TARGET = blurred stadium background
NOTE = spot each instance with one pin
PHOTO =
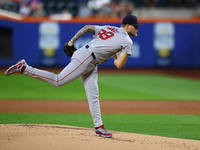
(37, 30)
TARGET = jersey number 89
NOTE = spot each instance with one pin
(103, 34)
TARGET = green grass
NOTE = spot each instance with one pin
(25, 87)
(112, 87)
(149, 87)
(178, 126)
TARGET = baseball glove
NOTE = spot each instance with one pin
(69, 50)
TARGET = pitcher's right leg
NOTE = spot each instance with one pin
(71, 72)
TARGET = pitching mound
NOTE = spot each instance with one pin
(57, 137)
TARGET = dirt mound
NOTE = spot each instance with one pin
(58, 137)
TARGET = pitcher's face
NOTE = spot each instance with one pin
(132, 30)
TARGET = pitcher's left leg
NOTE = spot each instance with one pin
(91, 87)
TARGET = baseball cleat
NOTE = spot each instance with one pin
(101, 131)
(17, 68)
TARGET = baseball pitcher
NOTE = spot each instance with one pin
(108, 41)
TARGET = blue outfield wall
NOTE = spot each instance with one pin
(175, 45)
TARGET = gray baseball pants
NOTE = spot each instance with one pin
(82, 65)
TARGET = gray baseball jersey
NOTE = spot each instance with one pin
(108, 40)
